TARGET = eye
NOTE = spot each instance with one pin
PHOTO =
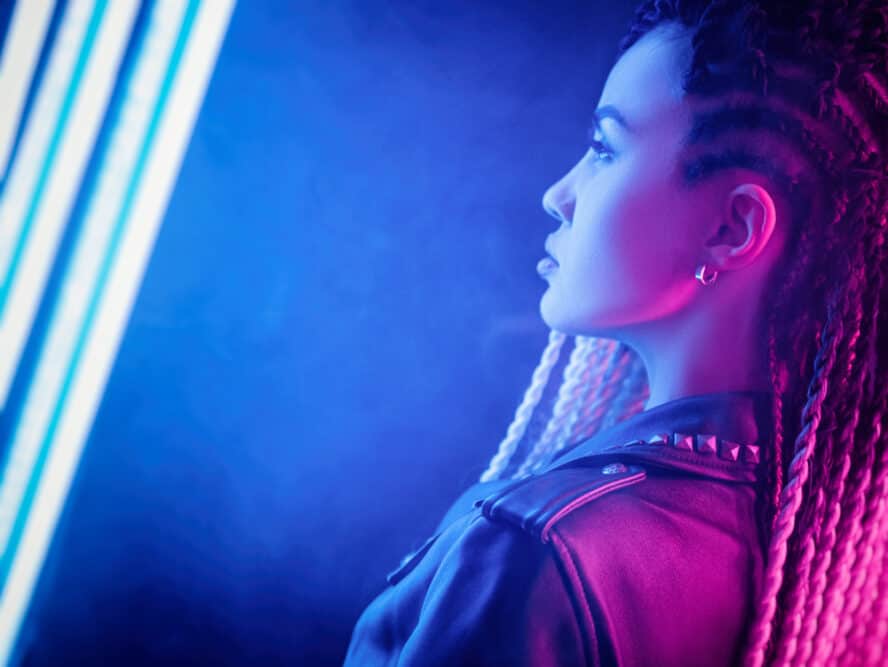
(600, 149)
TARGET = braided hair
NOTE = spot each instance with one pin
(809, 80)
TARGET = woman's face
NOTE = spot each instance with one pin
(630, 237)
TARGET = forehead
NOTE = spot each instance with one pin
(645, 83)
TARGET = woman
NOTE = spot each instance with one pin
(709, 486)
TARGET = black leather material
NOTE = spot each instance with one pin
(616, 554)
(541, 500)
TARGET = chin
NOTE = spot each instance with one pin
(557, 320)
(549, 311)
(560, 319)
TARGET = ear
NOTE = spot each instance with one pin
(745, 228)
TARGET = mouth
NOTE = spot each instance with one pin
(546, 265)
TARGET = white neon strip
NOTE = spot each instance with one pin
(92, 248)
(24, 38)
(38, 133)
(29, 280)
(121, 287)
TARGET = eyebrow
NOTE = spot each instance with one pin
(608, 111)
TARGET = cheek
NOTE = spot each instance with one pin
(626, 239)
(626, 256)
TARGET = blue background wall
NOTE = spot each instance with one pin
(339, 319)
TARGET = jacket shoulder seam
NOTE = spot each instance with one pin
(537, 503)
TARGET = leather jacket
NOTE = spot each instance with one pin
(642, 545)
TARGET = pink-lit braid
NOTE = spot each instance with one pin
(840, 443)
(864, 588)
(589, 400)
(873, 526)
(791, 497)
(876, 629)
(595, 413)
(840, 571)
(633, 394)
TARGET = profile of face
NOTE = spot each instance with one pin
(631, 234)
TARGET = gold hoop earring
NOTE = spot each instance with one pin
(706, 279)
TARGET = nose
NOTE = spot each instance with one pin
(558, 200)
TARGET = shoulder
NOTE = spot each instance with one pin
(539, 503)
(676, 554)
(497, 575)
(498, 596)
(572, 565)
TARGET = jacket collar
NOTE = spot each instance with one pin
(739, 423)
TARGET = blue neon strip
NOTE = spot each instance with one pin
(37, 472)
(83, 57)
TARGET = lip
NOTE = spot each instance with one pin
(546, 266)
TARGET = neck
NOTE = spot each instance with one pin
(719, 347)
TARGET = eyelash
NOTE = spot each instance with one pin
(600, 149)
